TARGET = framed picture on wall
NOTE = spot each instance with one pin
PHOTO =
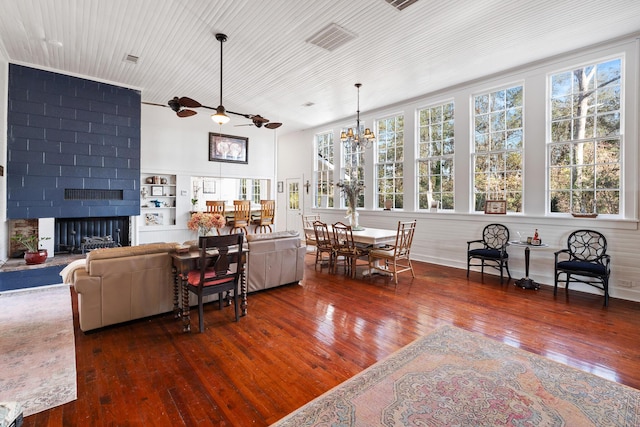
(228, 148)
(280, 186)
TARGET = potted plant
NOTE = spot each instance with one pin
(33, 254)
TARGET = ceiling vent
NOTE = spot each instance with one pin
(331, 37)
(401, 4)
(131, 59)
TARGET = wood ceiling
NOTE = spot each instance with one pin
(270, 68)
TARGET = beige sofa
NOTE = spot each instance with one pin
(115, 285)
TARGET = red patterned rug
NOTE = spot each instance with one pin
(457, 378)
(37, 348)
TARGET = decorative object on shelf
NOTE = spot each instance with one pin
(204, 222)
(163, 181)
(157, 203)
(144, 192)
(495, 207)
(33, 254)
(153, 218)
(351, 190)
(156, 190)
(355, 137)
(149, 180)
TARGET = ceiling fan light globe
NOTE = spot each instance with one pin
(220, 116)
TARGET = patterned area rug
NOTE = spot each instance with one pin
(37, 348)
(457, 378)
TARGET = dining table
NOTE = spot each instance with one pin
(370, 238)
(182, 264)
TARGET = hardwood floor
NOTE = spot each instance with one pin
(298, 341)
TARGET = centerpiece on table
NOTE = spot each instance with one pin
(34, 253)
(351, 190)
(204, 222)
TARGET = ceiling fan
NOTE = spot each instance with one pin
(182, 106)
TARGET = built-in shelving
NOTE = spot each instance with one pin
(157, 200)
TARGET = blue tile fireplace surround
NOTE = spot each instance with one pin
(73, 147)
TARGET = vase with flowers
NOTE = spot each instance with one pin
(351, 190)
(34, 254)
(204, 222)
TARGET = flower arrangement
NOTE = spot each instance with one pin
(351, 190)
(203, 222)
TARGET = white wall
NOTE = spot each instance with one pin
(441, 237)
(4, 96)
(179, 146)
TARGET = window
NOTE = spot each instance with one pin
(354, 165)
(324, 170)
(498, 143)
(435, 156)
(257, 194)
(584, 141)
(389, 165)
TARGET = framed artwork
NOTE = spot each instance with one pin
(208, 186)
(156, 190)
(280, 187)
(495, 207)
(153, 218)
(228, 148)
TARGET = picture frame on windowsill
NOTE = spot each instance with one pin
(495, 207)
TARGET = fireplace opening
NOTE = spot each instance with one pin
(79, 235)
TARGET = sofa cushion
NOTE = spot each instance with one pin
(271, 236)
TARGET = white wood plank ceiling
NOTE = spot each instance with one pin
(270, 68)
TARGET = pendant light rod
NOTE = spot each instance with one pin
(220, 116)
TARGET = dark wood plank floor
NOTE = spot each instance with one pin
(298, 341)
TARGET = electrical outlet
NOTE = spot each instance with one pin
(625, 283)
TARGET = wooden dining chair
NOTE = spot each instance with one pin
(345, 249)
(241, 216)
(216, 206)
(307, 226)
(265, 220)
(324, 245)
(219, 271)
(397, 258)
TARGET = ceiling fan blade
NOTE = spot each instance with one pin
(153, 103)
(273, 125)
(189, 103)
(186, 113)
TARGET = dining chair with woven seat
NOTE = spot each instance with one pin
(584, 260)
(324, 245)
(395, 259)
(307, 226)
(345, 248)
(491, 250)
(241, 216)
(264, 221)
(220, 266)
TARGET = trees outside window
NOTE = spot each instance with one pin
(324, 166)
(497, 149)
(389, 164)
(435, 156)
(584, 141)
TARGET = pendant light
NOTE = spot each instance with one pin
(220, 116)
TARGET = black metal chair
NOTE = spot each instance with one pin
(586, 257)
(219, 270)
(490, 250)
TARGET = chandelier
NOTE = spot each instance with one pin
(356, 138)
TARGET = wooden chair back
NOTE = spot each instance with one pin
(216, 206)
(267, 214)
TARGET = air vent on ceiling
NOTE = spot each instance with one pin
(401, 4)
(331, 37)
(132, 59)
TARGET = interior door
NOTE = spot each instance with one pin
(294, 204)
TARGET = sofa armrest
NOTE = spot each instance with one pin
(89, 290)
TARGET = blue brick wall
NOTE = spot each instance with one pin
(68, 132)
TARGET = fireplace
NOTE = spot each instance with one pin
(78, 235)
